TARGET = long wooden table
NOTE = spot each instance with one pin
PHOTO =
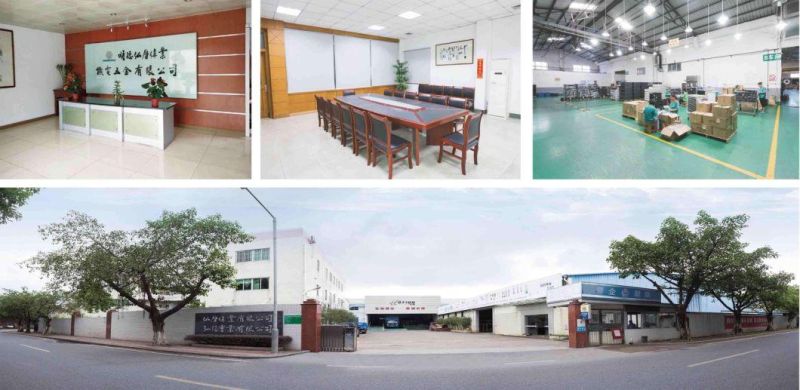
(435, 120)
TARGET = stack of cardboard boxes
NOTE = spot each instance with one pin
(633, 109)
(715, 119)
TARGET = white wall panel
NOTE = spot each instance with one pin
(384, 56)
(419, 65)
(309, 61)
(352, 57)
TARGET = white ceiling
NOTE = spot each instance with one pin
(68, 16)
(357, 15)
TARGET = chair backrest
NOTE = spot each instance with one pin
(424, 88)
(448, 91)
(348, 92)
(439, 99)
(425, 97)
(346, 116)
(437, 90)
(380, 128)
(411, 95)
(360, 121)
(320, 104)
(398, 93)
(387, 92)
(457, 102)
(336, 110)
(469, 93)
(457, 92)
(472, 127)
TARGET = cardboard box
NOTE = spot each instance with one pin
(630, 108)
(695, 118)
(666, 119)
(675, 131)
(704, 106)
(748, 106)
(726, 99)
(722, 112)
(708, 118)
(640, 118)
(696, 127)
(772, 100)
(727, 91)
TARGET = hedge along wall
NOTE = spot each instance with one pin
(135, 325)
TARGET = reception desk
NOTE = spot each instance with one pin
(132, 121)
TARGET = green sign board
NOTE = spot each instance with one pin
(292, 319)
(771, 57)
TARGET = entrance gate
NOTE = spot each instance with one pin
(339, 338)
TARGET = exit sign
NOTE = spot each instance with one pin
(771, 57)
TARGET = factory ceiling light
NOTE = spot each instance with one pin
(582, 6)
(649, 9)
(594, 41)
(722, 19)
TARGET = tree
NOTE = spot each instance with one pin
(11, 199)
(773, 292)
(789, 303)
(679, 261)
(338, 316)
(737, 286)
(401, 75)
(25, 307)
(177, 254)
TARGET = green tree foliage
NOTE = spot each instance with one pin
(11, 199)
(774, 288)
(457, 323)
(789, 303)
(737, 285)
(25, 307)
(680, 260)
(401, 75)
(177, 254)
(337, 316)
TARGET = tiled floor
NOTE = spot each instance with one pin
(296, 148)
(39, 150)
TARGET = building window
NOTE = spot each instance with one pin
(252, 255)
(539, 65)
(640, 71)
(252, 284)
(674, 67)
(581, 68)
(317, 265)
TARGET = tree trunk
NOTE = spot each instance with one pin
(769, 321)
(27, 326)
(737, 325)
(20, 328)
(683, 323)
(159, 338)
(47, 325)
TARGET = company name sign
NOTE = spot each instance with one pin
(257, 323)
(401, 305)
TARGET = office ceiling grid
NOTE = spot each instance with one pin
(358, 15)
(69, 16)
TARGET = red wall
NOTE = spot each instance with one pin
(207, 25)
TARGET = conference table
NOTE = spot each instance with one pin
(435, 120)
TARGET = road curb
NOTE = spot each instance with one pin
(164, 350)
(710, 340)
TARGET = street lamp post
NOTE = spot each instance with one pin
(274, 331)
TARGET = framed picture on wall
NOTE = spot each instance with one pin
(455, 53)
(7, 76)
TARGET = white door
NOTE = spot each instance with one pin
(498, 88)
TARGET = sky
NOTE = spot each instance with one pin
(455, 243)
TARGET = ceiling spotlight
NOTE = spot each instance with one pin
(619, 52)
(688, 29)
(663, 37)
(606, 34)
(737, 36)
(649, 9)
(644, 43)
(722, 19)
(594, 41)
(781, 25)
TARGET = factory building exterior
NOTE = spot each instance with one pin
(303, 273)
(619, 310)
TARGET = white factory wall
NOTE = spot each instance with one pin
(89, 327)
(510, 320)
(494, 39)
(36, 54)
(725, 63)
(298, 274)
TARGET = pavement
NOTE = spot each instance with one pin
(416, 342)
(767, 361)
(238, 353)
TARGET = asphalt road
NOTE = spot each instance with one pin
(767, 361)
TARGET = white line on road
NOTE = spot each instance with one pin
(169, 378)
(722, 358)
(177, 354)
(531, 362)
(38, 349)
(344, 366)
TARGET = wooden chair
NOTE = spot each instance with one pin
(439, 99)
(388, 92)
(464, 141)
(327, 117)
(398, 93)
(345, 122)
(384, 142)
(348, 92)
(334, 118)
(320, 110)
(412, 95)
(360, 132)
(424, 97)
(457, 102)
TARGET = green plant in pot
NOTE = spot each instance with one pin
(64, 70)
(156, 89)
(117, 92)
(401, 75)
(72, 84)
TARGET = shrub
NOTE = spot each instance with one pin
(239, 340)
(338, 316)
(457, 323)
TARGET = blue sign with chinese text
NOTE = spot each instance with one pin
(620, 293)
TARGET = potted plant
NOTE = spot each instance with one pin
(117, 92)
(64, 70)
(155, 90)
(72, 84)
(401, 75)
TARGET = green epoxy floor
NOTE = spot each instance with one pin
(569, 143)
